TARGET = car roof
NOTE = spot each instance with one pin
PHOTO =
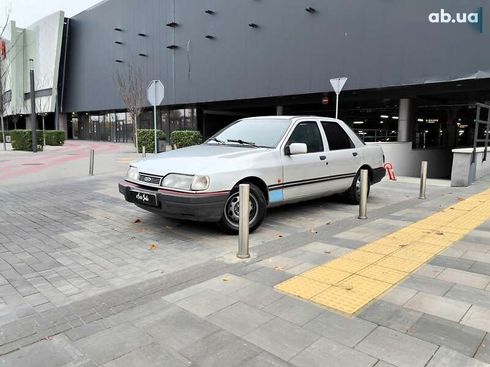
(291, 117)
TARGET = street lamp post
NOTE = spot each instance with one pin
(33, 108)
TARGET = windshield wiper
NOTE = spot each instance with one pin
(217, 140)
(240, 141)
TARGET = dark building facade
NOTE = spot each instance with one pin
(415, 69)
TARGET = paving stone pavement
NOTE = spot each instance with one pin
(80, 286)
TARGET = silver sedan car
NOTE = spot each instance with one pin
(285, 159)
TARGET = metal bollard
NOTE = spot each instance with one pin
(364, 194)
(144, 151)
(91, 164)
(423, 180)
(243, 223)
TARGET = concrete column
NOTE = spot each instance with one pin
(451, 128)
(279, 110)
(63, 123)
(404, 120)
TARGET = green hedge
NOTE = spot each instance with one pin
(22, 139)
(55, 137)
(146, 138)
(7, 133)
(185, 138)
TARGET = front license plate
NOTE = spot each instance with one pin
(145, 198)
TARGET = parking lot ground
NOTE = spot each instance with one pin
(87, 279)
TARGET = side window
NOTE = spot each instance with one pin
(308, 133)
(336, 136)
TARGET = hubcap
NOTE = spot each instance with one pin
(232, 209)
(358, 187)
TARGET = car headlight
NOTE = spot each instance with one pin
(133, 173)
(200, 183)
(177, 181)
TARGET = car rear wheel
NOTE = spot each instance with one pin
(353, 195)
(231, 212)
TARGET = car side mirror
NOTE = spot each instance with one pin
(297, 148)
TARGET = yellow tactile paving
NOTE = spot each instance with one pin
(326, 275)
(428, 226)
(398, 263)
(406, 235)
(454, 230)
(347, 265)
(363, 256)
(426, 247)
(385, 246)
(467, 205)
(381, 248)
(302, 287)
(410, 253)
(438, 239)
(384, 274)
(349, 283)
(342, 299)
(365, 286)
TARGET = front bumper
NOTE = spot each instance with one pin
(199, 206)
(378, 174)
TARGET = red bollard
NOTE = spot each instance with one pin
(391, 173)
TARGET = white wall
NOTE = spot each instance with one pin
(406, 161)
(42, 42)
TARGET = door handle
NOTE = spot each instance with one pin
(322, 157)
(355, 154)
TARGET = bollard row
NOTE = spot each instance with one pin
(363, 194)
(243, 223)
(91, 163)
(423, 180)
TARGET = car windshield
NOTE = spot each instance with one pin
(264, 133)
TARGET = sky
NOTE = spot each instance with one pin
(26, 12)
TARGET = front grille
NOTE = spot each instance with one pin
(150, 179)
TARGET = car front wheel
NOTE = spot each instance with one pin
(353, 195)
(231, 212)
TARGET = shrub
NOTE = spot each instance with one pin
(146, 138)
(185, 138)
(55, 137)
(7, 133)
(22, 139)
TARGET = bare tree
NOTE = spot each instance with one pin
(133, 93)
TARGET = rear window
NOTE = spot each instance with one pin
(336, 136)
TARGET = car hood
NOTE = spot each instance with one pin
(198, 159)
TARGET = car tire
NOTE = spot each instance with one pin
(352, 196)
(258, 208)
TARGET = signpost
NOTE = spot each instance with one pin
(337, 85)
(155, 94)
